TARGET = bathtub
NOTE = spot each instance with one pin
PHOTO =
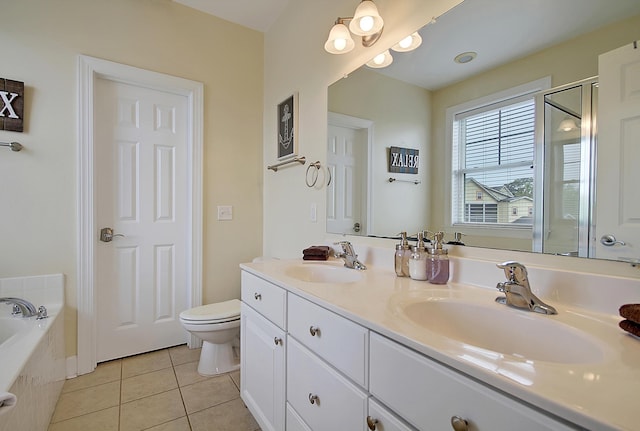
(32, 356)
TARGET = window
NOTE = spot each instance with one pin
(492, 161)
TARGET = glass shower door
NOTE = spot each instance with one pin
(566, 123)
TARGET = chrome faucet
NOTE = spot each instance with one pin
(517, 290)
(24, 307)
(349, 255)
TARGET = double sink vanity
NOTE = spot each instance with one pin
(325, 347)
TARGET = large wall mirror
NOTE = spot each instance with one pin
(505, 104)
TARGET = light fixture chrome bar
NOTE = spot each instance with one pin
(14, 146)
(302, 160)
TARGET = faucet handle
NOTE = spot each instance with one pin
(514, 271)
(346, 247)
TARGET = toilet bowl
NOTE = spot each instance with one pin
(218, 326)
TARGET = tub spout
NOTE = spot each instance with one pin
(26, 308)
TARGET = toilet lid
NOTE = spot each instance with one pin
(227, 310)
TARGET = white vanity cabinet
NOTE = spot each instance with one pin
(262, 351)
(429, 396)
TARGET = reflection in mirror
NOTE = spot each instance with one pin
(414, 102)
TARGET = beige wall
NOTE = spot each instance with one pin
(401, 116)
(41, 40)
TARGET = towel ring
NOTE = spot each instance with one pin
(329, 175)
(314, 176)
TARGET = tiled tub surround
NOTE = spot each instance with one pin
(597, 394)
(33, 362)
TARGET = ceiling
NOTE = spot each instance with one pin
(255, 14)
(499, 32)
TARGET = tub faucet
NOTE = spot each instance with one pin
(349, 255)
(26, 308)
(517, 290)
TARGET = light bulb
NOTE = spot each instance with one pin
(406, 42)
(366, 23)
(379, 59)
(339, 44)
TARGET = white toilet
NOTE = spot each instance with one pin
(218, 326)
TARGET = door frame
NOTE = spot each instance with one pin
(360, 124)
(90, 69)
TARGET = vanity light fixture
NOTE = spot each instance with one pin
(409, 43)
(366, 22)
(381, 60)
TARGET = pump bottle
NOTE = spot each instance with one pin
(402, 256)
(438, 266)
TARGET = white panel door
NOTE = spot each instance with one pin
(344, 194)
(618, 170)
(141, 187)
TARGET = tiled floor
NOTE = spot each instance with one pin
(157, 391)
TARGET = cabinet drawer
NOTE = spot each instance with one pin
(342, 343)
(337, 403)
(384, 420)
(428, 395)
(266, 298)
(294, 421)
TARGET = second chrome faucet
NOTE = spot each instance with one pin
(517, 290)
(349, 255)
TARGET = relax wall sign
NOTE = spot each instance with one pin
(403, 160)
(11, 105)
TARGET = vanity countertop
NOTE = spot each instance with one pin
(597, 393)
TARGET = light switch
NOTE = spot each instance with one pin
(225, 212)
(313, 213)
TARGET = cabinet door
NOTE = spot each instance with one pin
(428, 395)
(262, 381)
(324, 399)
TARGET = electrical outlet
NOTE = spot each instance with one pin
(225, 212)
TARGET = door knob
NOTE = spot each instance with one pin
(106, 234)
(610, 240)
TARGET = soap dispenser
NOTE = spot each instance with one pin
(402, 257)
(438, 266)
(418, 261)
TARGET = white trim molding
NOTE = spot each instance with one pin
(90, 68)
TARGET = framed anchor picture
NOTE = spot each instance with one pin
(288, 127)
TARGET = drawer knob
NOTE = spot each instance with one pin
(314, 330)
(371, 423)
(313, 399)
(459, 424)
(257, 296)
(277, 340)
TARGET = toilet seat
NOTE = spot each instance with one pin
(220, 312)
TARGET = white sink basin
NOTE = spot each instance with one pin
(319, 273)
(505, 330)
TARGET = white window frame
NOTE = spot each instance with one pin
(500, 230)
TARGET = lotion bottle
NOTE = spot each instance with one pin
(418, 262)
(438, 267)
